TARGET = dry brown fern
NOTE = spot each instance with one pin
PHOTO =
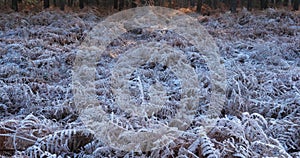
(63, 142)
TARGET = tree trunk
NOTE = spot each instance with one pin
(227, 3)
(285, 3)
(14, 5)
(233, 5)
(143, 2)
(105, 4)
(62, 5)
(133, 4)
(296, 5)
(162, 3)
(266, 4)
(215, 4)
(192, 3)
(185, 4)
(157, 2)
(249, 5)
(121, 5)
(54, 3)
(263, 4)
(277, 3)
(46, 4)
(199, 6)
(116, 2)
(81, 5)
(126, 5)
(170, 3)
(70, 3)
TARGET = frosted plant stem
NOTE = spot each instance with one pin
(141, 88)
(16, 136)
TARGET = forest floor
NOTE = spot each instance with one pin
(260, 118)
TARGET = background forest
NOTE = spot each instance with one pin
(125, 4)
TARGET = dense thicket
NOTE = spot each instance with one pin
(231, 5)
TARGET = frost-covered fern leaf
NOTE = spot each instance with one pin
(254, 126)
(35, 152)
(287, 132)
(194, 146)
(63, 142)
(239, 155)
(92, 146)
(237, 147)
(268, 150)
(207, 148)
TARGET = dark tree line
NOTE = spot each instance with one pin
(14, 5)
(122, 4)
(249, 4)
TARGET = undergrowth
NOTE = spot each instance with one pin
(261, 116)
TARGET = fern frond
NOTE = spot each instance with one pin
(207, 148)
(65, 141)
